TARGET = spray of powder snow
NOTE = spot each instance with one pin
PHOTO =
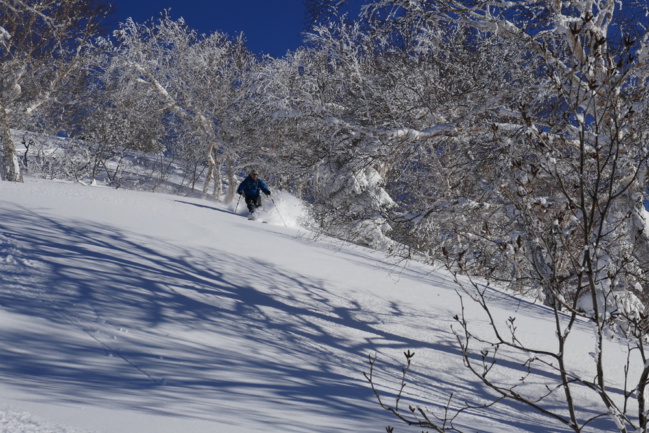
(280, 209)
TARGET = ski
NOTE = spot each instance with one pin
(250, 218)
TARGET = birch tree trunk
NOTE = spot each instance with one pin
(232, 181)
(10, 166)
(218, 180)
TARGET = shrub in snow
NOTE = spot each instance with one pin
(350, 204)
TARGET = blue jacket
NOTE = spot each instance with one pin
(251, 187)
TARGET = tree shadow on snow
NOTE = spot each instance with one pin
(142, 324)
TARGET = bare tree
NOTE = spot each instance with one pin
(195, 78)
(551, 175)
(41, 45)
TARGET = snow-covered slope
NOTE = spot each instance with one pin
(135, 312)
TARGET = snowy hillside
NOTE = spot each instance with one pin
(131, 312)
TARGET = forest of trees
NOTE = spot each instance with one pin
(508, 140)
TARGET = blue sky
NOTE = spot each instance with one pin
(271, 26)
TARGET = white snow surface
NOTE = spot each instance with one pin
(125, 311)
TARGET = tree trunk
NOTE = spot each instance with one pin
(218, 182)
(10, 166)
(210, 170)
(232, 182)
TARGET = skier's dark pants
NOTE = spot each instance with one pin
(253, 203)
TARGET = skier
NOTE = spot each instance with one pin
(250, 188)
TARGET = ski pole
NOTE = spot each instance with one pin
(276, 208)
(237, 206)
